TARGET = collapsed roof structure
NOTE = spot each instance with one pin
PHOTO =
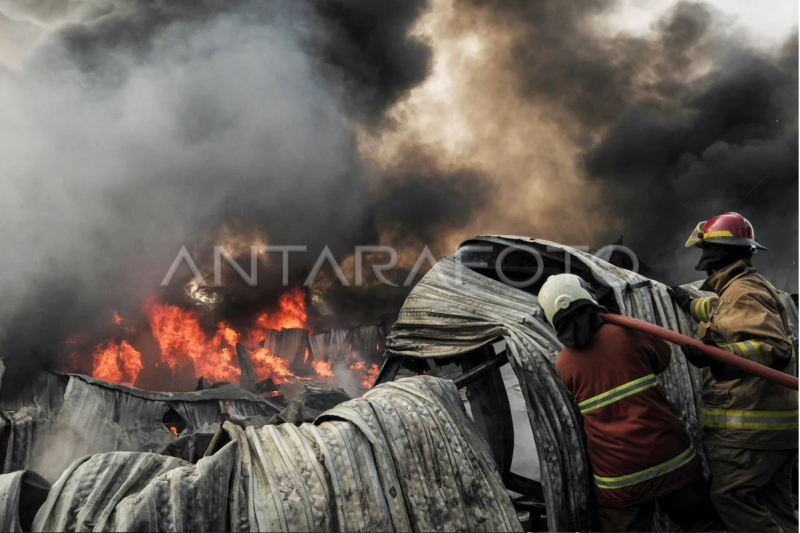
(402, 457)
(405, 456)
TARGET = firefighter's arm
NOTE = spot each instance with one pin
(660, 354)
(754, 330)
(701, 308)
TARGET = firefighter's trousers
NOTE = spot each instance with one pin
(752, 489)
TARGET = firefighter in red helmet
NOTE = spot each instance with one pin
(749, 423)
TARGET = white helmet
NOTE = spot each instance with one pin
(559, 291)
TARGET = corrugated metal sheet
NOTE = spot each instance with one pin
(403, 457)
(10, 485)
(95, 416)
(454, 310)
(335, 345)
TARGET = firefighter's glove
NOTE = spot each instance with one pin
(719, 370)
(696, 356)
(681, 297)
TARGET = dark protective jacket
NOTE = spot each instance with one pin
(749, 319)
(636, 444)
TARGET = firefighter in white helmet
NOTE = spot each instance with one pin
(638, 449)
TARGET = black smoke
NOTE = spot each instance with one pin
(677, 126)
(730, 144)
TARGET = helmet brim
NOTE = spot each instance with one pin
(735, 241)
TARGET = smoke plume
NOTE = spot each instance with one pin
(138, 127)
(135, 127)
(583, 134)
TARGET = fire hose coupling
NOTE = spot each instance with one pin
(751, 367)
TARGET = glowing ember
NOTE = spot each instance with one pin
(174, 430)
(107, 359)
(322, 368)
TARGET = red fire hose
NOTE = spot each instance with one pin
(728, 358)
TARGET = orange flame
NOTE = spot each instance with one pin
(322, 368)
(107, 357)
(266, 364)
(174, 430)
(292, 315)
(368, 376)
(182, 341)
(370, 379)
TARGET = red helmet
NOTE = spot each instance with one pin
(728, 228)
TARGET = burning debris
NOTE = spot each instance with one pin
(170, 340)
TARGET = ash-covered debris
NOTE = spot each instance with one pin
(436, 474)
(310, 404)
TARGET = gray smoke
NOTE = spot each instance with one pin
(143, 126)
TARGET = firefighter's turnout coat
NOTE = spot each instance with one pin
(749, 319)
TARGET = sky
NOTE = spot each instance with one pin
(768, 21)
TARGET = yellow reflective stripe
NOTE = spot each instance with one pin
(645, 475)
(618, 393)
(699, 310)
(752, 351)
(723, 418)
(722, 233)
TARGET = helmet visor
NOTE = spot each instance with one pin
(697, 235)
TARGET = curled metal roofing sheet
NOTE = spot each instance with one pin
(402, 458)
(10, 485)
(454, 310)
(75, 415)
